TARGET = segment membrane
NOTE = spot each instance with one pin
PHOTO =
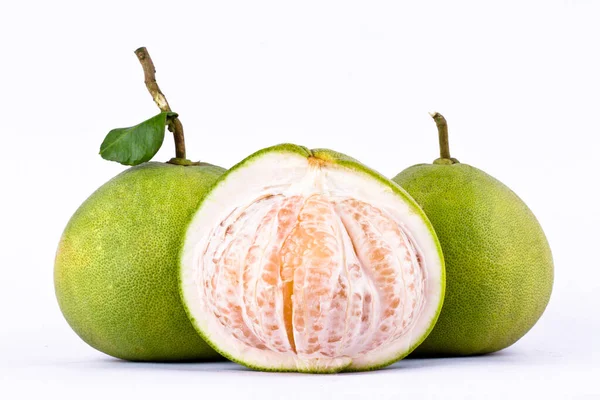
(319, 277)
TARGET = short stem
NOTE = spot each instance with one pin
(442, 127)
(175, 125)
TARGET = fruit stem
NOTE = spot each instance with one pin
(442, 127)
(174, 124)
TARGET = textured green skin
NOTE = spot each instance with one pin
(116, 266)
(330, 156)
(498, 261)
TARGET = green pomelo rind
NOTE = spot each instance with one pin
(498, 262)
(350, 163)
(116, 265)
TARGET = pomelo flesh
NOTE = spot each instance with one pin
(498, 262)
(303, 260)
(117, 261)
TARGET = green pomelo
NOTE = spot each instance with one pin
(116, 265)
(306, 260)
(498, 262)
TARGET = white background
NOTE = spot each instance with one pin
(518, 81)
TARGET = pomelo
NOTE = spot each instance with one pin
(498, 261)
(117, 261)
(306, 260)
(115, 271)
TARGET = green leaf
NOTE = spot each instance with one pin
(136, 144)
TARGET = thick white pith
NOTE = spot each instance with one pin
(291, 263)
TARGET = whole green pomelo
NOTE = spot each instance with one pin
(116, 266)
(499, 268)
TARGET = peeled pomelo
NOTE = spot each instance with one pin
(498, 261)
(301, 260)
(117, 261)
